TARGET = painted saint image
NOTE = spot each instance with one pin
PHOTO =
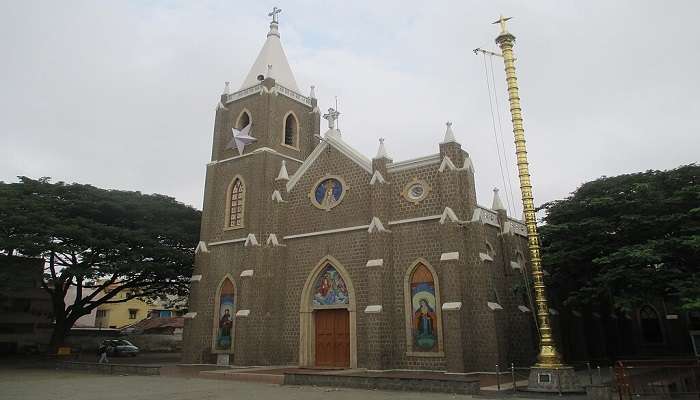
(225, 324)
(330, 288)
(424, 317)
(328, 193)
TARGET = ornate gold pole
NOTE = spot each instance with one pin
(548, 356)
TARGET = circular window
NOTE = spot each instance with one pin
(328, 193)
(416, 190)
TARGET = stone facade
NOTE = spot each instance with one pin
(374, 236)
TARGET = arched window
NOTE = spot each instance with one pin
(224, 316)
(236, 204)
(650, 324)
(291, 130)
(424, 311)
(243, 120)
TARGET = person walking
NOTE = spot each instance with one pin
(103, 353)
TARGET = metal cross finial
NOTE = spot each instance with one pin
(502, 21)
(331, 117)
(381, 140)
(274, 13)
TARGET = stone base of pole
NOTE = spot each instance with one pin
(560, 379)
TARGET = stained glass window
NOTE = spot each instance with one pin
(224, 321)
(424, 322)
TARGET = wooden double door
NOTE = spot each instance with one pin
(332, 338)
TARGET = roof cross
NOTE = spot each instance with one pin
(502, 21)
(274, 13)
(331, 117)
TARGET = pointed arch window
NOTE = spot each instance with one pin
(235, 204)
(224, 316)
(423, 312)
(650, 324)
(291, 130)
(243, 120)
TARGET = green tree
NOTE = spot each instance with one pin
(102, 242)
(621, 241)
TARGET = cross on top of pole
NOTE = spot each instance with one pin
(502, 21)
(274, 13)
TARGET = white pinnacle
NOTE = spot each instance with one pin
(283, 175)
(497, 203)
(381, 152)
(312, 93)
(227, 88)
(449, 135)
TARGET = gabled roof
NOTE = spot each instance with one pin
(331, 138)
(272, 54)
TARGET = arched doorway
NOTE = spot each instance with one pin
(327, 318)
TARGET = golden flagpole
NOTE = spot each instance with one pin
(549, 374)
(548, 356)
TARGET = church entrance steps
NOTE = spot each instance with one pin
(417, 381)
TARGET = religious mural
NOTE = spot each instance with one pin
(424, 317)
(330, 288)
(225, 317)
(328, 193)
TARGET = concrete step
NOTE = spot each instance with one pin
(272, 378)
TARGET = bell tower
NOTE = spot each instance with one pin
(268, 110)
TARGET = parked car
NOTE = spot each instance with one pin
(120, 347)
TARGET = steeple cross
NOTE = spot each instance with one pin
(274, 13)
(331, 117)
(502, 21)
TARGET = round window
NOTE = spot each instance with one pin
(416, 191)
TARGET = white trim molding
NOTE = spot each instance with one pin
(485, 257)
(447, 164)
(377, 178)
(201, 247)
(493, 306)
(375, 263)
(239, 240)
(251, 240)
(326, 232)
(523, 308)
(242, 313)
(452, 306)
(376, 226)
(247, 273)
(449, 256)
(190, 315)
(373, 309)
(195, 278)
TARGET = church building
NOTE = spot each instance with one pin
(314, 255)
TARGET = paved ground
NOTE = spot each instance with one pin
(35, 384)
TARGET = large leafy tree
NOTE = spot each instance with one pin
(102, 242)
(620, 241)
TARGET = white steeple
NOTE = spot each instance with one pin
(449, 135)
(497, 203)
(272, 54)
(381, 152)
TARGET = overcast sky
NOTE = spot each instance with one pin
(122, 94)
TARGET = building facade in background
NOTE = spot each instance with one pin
(25, 307)
(313, 254)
